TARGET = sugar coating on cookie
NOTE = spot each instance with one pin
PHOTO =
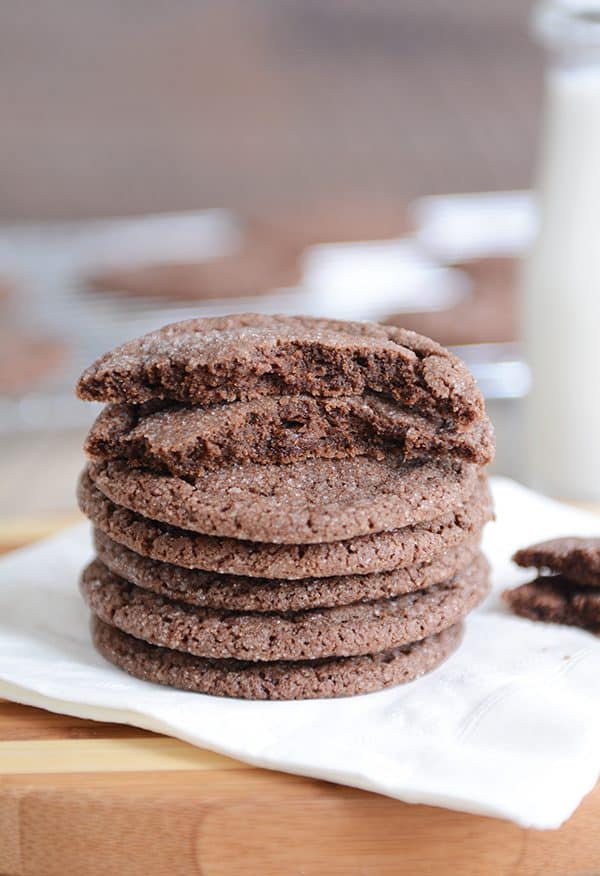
(578, 559)
(342, 631)
(366, 554)
(317, 500)
(311, 679)
(184, 440)
(283, 507)
(242, 593)
(246, 356)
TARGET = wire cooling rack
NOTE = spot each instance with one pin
(48, 267)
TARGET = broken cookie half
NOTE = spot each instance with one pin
(567, 588)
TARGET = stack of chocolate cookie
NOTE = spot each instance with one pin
(284, 507)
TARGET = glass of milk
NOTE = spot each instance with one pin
(561, 278)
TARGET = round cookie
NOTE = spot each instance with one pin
(240, 593)
(26, 359)
(578, 559)
(363, 555)
(317, 500)
(255, 269)
(184, 440)
(341, 219)
(343, 631)
(246, 356)
(345, 676)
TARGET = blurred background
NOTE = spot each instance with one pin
(364, 160)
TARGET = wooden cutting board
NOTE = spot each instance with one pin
(81, 798)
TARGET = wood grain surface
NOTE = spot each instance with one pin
(82, 798)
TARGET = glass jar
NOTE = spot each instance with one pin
(561, 278)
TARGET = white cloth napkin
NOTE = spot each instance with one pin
(508, 726)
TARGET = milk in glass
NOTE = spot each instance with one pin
(561, 281)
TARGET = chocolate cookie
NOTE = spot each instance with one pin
(258, 267)
(341, 219)
(363, 555)
(337, 677)
(316, 500)
(184, 440)
(343, 631)
(241, 593)
(7, 288)
(577, 559)
(554, 599)
(204, 361)
(26, 360)
(488, 315)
